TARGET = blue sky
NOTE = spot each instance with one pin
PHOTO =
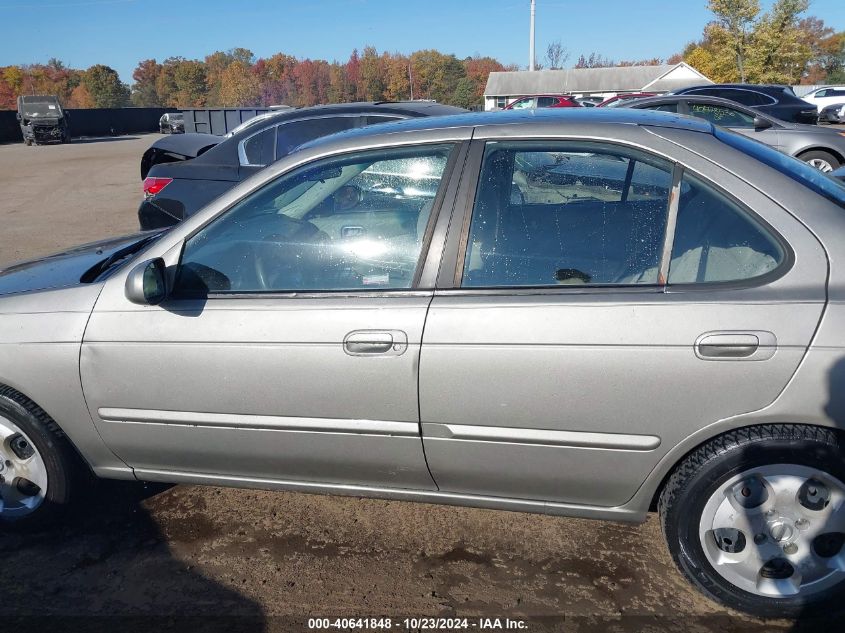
(120, 33)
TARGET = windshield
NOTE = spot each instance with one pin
(42, 109)
(796, 169)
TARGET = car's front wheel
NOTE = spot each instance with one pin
(37, 464)
(756, 519)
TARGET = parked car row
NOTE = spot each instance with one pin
(182, 174)
(496, 307)
(821, 147)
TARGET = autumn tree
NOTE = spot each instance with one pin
(105, 87)
(239, 86)
(189, 80)
(735, 17)
(144, 92)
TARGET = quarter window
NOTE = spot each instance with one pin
(351, 223)
(567, 214)
(259, 148)
(715, 240)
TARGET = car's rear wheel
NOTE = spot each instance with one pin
(823, 161)
(37, 464)
(756, 519)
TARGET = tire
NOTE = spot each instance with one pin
(747, 461)
(21, 420)
(28, 142)
(823, 161)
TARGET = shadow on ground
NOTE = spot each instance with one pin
(103, 139)
(108, 567)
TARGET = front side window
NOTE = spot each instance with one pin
(294, 134)
(522, 104)
(354, 222)
(721, 115)
(566, 214)
(666, 107)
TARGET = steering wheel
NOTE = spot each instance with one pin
(296, 241)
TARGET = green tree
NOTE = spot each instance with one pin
(104, 86)
(372, 82)
(778, 51)
(735, 17)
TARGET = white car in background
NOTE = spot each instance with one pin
(823, 97)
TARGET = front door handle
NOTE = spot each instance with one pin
(375, 342)
(736, 345)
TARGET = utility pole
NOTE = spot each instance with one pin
(411, 81)
(531, 60)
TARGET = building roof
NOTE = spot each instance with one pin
(613, 79)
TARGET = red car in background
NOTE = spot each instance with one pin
(618, 100)
(544, 101)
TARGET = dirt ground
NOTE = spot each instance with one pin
(151, 558)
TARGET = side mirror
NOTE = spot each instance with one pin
(761, 124)
(147, 283)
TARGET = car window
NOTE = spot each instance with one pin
(715, 240)
(546, 102)
(523, 103)
(258, 149)
(666, 107)
(836, 93)
(380, 118)
(822, 93)
(291, 135)
(745, 97)
(721, 115)
(355, 222)
(565, 214)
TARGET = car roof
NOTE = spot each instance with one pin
(405, 108)
(551, 118)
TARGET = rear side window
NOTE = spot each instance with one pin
(567, 214)
(546, 102)
(573, 213)
(745, 97)
(721, 115)
(715, 240)
(291, 135)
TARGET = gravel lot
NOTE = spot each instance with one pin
(193, 557)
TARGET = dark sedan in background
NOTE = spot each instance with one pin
(182, 174)
(544, 101)
(823, 148)
(776, 101)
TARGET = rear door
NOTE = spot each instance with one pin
(588, 324)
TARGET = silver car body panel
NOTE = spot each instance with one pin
(567, 401)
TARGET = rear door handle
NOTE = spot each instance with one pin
(375, 342)
(755, 345)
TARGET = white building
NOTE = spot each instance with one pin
(504, 87)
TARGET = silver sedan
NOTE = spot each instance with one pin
(586, 313)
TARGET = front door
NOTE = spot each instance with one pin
(290, 348)
(581, 340)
